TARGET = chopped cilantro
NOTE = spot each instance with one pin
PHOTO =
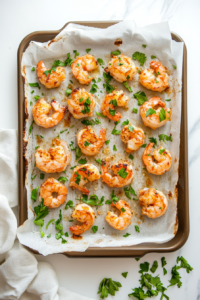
(116, 53)
(137, 229)
(122, 173)
(141, 57)
(162, 114)
(94, 229)
(141, 97)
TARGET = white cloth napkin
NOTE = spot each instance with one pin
(8, 225)
(17, 272)
(8, 165)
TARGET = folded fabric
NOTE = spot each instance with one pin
(17, 272)
(8, 165)
(8, 225)
(45, 284)
(28, 296)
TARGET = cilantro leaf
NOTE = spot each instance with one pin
(153, 140)
(93, 88)
(164, 138)
(127, 86)
(124, 274)
(141, 97)
(82, 161)
(162, 114)
(154, 266)
(52, 220)
(144, 267)
(93, 200)
(126, 122)
(126, 235)
(137, 229)
(135, 110)
(122, 173)
(163, 261)
(34, 194)
(35, 84)
(78, 153)
(141, 57)
(69, 204)
(150, 111)
(62, 179)
(116, 53)
(100, 61)
(68, 92)
(131, 156)
(94, 228)
(88, 50)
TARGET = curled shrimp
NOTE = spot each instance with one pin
(132, 136)
(109, 103)
(81, 104)
(89, 143)
(81, 175)
(49, 187)
(42, 109)
(56, 159)
(53, 79)
(84, 214)
(122, 174)
(155, 78)
(122, 221)
(150, 113)
(154, 203)
(159, 162)
(81, 66)
(121, 68)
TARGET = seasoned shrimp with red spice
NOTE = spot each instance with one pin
(121, 68)
(50, 78)
(82, 66)
(42, 113)
(81, 175)
(158, 162)
(111, 101)
(122, 221)
(56, 159)
(154, 203)
(89, 143)
(122, 174)
(154, 113)
(155, 78)
(133, 137)
(81, 104)
(48, 188)
(85, 214)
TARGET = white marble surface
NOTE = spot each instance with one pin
(19, 18)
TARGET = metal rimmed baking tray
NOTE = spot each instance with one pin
(183, 195)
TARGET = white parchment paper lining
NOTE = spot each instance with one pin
(101, 41)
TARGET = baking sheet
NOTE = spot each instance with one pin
(101, 41)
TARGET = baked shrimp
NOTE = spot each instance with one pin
(81, 175)
(154, 203)
(122, 221)
(50, 78)
(48, 188)
(133, 137)
(111, 101)
(89, 143)
(81, 66)
(81, 104)
(154, 113)
(121, 68)
(158, 162)
(84, 214)
(56, 159)
(155, 78)
(122, 174)
(42, 110)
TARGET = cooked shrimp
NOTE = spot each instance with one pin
(81, 66)
(121, 68)
(122, 221)
(49, 187)
(159, 162)
(84, 214)
(81, 175)
(56, 159)
(109, 103)
(53, 79)
(154, 203)
(154, 113)
(122, 174)
(42, 109)
(132, 136)
(89, 143)
(156, 78)
(81, 104)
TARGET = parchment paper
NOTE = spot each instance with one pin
(101, 41)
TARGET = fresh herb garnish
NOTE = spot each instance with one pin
(135, 110)
(116, 53)
(52, 220)
(137, 229)
(122, 173)
(162, 114)
(153, 56)
(107, 142)
(126, 235)
(31, 127)
(69, 204)
(86, 106)
(68, 92)
(108, 286)
(129, 190)
(174, 66)
(34, 194)
(153, 140)
(42, 175)
(126, 122)
(98, 161)
(88, 50)
(93, 200)
(35, 84)
(78, 153)
(62, 179)
(131, 156)
(141, 97)
(94, 229)
(93, 88)
(164, 138)
(154, 266)
(127, 86)
(141, 57)
(124, 274)
(82, 161)
(150, 111)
